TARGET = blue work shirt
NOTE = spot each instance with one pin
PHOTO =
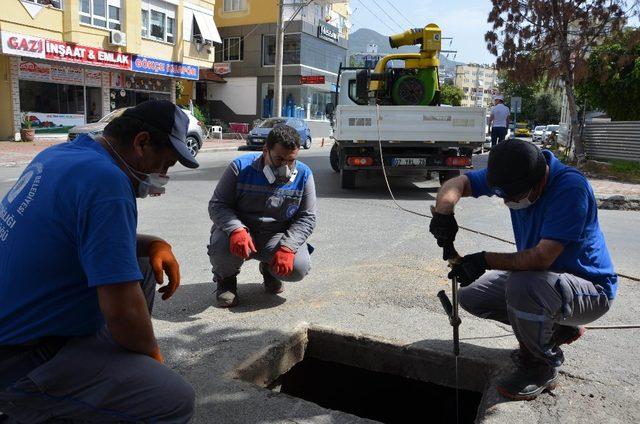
(566, 212)
(67, 226)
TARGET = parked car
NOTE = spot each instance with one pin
(522, 130)
(195, 133)
(538, 132)
(549, 130)
(259, 133)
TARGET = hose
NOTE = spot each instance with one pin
(480, 233)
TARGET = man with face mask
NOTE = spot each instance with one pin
(263, 208)
(77, 282)
(561, 276)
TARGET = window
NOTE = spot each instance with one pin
(101, 13)
(291, 52)
(158, 21)
(232, 49)
(235, 5)
(56, 4)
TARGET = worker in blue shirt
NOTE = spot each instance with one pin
(561, 276)
(77, 282)
(263, 208)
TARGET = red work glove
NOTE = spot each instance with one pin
(241, 243)
(157, 355)
(282, 263)
(163, 261)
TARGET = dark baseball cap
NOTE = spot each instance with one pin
(169, 119)
(515, 167)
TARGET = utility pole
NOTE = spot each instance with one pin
(277, 81)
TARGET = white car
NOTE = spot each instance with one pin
(538, 133)
(550, 129)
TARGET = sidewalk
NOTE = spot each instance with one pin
(20, 153)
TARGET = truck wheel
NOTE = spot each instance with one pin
(334, 158)
(447, 175)
(348, 179)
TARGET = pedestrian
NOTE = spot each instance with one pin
(561, 276)
(499, 120)
(263, 208)
(77, 282)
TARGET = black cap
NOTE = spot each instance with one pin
(169, 119)
(515, 167)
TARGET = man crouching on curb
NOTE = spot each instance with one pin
(263, 208)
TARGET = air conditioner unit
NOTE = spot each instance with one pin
(117, 38)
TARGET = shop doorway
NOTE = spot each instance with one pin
(94, 104)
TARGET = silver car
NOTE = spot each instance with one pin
(195, 133)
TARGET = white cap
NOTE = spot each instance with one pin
(498, 97)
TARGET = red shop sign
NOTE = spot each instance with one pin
(312, 79)
(58, 50)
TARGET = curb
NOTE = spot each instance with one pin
(618, 202)
(219, 149)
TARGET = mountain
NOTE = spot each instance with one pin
(358, 41)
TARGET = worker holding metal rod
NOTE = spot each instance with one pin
(561, 276)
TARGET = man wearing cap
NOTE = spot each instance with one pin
(561, 276)
(263, 208)
(499, 120)
(77, 282)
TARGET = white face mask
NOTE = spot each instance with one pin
(520, 204)
(150, 184)
(282, 173)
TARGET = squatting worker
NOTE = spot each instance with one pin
(77, 282)
(499, 120)
(263, 208)
(561, 276)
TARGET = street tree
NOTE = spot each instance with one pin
(547, 108)
(552, 37)
(509, 88)
(451, 95)
(613, 77)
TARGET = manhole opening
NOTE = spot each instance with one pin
(370, 378)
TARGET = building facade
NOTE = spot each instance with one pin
(479, 84)
(315, 44)
(70, 62)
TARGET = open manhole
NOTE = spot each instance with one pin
(370, 378)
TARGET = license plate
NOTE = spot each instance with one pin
(409, 162)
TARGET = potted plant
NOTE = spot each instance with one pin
(26, 132)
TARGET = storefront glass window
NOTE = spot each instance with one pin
(297, 102)
(291, 52)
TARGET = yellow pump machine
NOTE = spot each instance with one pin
(416, 83)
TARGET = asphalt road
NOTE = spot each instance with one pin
(376, 271)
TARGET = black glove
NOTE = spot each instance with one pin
(444, 228)
(469, 268)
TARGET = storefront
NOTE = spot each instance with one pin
(57, 85)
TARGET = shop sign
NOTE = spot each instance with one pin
(58, 50)
(222, 68)
(92, 78)
(162, 67)
(54, 122)
(328, 32)
(67, 75)
(49, 72)
(34, 71)
(312, 79)
(22, 45)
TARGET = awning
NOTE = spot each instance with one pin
(207, 27)
(209, 75)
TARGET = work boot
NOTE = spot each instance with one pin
(227, 292)
(522, 357)
(271, 284)
(567, 334)
(527, 382)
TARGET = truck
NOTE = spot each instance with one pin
(393, 117)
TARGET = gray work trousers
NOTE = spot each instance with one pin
(225, 264)
(534, 303)
(93, 379)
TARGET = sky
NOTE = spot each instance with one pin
(464, 20)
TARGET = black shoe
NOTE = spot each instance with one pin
(271, 284)
(227, 292)
(527, 382)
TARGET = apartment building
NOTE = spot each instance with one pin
(479, 84)
(315, 44)
(69, 62)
